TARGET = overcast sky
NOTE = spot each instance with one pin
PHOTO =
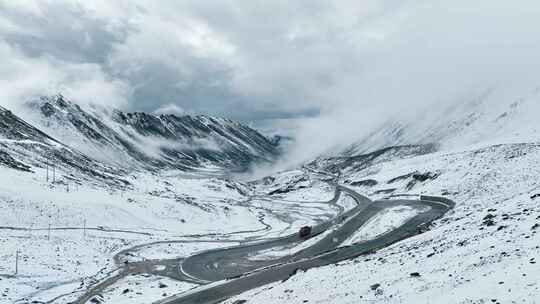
(246, 60)
(330, 67)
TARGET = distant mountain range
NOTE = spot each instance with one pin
(100, 141)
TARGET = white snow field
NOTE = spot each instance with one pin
(484, 251)
(90, 224)
(143, 289)
(381, 223)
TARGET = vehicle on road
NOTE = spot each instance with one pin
(305, 231)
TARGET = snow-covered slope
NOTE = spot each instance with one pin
(484, 154)
(492, 116)
(141, 140)
(486, 250)
(90, 223)
(26, 148)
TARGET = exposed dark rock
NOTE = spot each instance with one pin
(8, 161)
(385, 191)
(488, 223)
(401, 177)
(488, 220)
(366, 183)
(356, 162)
(421, 177)
(462, 243)
(375, 286)
(415, 177)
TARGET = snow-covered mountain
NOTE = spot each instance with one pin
(492, 117)
(489, 117)
(146, 141)
(25, 147)
(483, 154)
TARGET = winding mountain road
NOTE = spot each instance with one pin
(245, 273)
(241, 268)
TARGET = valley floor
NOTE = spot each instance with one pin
(58, 240)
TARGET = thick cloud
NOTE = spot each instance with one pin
(331, 69)
(245, 60)
(54, 47)
(24, 78)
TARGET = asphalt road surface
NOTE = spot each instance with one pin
(238, 271)
(172, 268)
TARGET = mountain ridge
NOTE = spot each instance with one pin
(142, 140)
(100, 145)
(491, 116)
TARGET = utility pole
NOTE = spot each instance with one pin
(47, 166)
(53, 172)
(17, 262)
(49, 233)
(84, 229)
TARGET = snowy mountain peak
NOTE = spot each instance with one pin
(141, 140)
